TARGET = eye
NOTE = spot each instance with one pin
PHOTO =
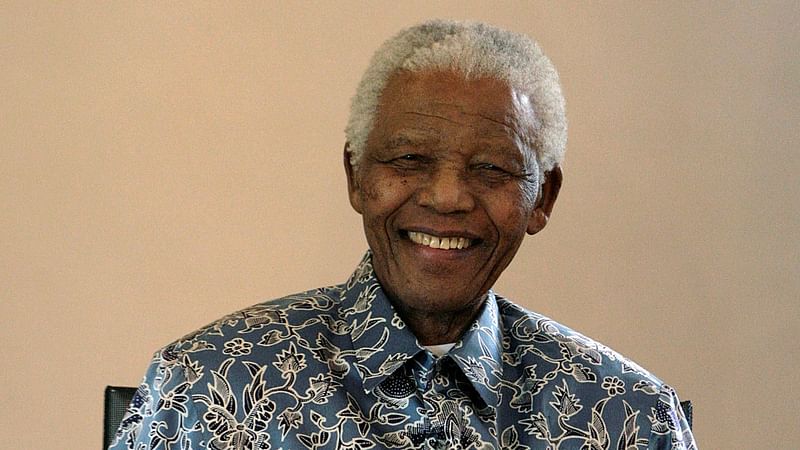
(490, 167)
(408, 161)
(491, 170)
(491, 173)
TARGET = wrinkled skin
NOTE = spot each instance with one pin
(448, 157)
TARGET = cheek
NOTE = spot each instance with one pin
(510, 216)
(382, 198)
(378, 196)
(371, 193)
(383, 194)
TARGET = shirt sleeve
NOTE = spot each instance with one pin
(670, 429)
(160, 414)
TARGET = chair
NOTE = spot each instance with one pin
(687, 411)
(116, 401)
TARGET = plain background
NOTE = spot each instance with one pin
(162, 164)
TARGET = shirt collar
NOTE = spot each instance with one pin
(478, 354)
(382, 343)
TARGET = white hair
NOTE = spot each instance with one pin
(474, 50)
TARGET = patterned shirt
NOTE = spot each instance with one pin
(336, 368)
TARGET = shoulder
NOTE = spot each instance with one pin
(568, 377)
(283, 319)
(533, 339)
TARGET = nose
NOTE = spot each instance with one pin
(446, 191)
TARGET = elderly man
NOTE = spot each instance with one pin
(452, 157)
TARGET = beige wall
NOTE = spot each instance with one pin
(163, 164)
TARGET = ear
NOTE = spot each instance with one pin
(353, 190)
(547, 198)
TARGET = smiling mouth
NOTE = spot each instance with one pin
(439, 242)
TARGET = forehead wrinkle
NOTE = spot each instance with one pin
(506, 126)
(517, 132)
(434, 116)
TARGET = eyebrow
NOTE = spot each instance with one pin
(404, 139)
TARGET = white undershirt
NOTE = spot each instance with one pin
(439, 350)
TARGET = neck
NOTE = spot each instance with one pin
(435, 327)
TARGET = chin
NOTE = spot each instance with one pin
(437, 302)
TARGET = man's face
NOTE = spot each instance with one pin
(447, 188)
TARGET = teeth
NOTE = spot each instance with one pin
(443, 243)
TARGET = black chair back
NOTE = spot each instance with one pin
(687, 411)
(116, 401)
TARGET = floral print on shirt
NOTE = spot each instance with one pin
(336, 368)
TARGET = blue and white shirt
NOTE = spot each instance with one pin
(336, 368)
